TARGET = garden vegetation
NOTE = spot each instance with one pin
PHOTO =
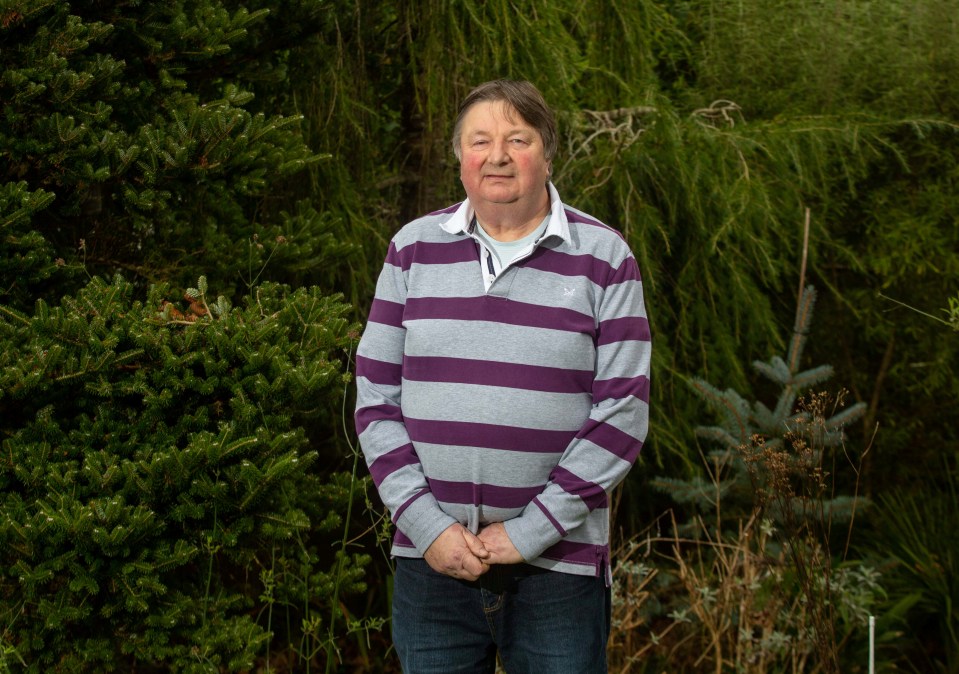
(195, 200)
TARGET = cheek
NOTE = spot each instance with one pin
(470, 167)
(533, 166)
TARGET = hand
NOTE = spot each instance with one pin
(458, 553)
(500, 547)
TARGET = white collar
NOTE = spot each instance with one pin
(461, 220)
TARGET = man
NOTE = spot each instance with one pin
(503, 391)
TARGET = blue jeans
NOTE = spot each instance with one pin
(537, 620)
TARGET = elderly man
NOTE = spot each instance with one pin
(502, 392)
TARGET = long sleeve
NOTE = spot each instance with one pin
(610, 439)
(390, 456)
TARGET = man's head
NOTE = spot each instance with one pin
(504, 162)
(519, 97)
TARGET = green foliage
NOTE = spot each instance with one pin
(901, 220)
(255, 143)
(758, 579)
(676, 132)
(159, 461)
(711, 197)
(24, 254)
(855, 107)
(784, 439)
(918, 536)
(795, 57)
(703, 131)
(952, 313)
(131, 142)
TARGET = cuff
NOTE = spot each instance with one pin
(533, 532)
(423, 521)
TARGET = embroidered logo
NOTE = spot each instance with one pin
(569, 292)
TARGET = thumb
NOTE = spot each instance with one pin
(474, 544)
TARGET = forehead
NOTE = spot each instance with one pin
(493, 116)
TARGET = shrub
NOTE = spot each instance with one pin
(160, 494)
(917, 545)
(153, 138)
(751, 580)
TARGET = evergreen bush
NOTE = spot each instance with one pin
(793, 436)
(132, 140)
(754, 574)
(161, 498)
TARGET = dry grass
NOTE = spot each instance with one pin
(751, 594)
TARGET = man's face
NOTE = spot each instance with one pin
(502, 158)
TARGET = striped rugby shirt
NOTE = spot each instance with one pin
(524, 402)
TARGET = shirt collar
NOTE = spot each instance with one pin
(461, 220)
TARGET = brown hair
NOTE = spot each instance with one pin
(520, 96)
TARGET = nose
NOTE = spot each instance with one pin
(499, 153)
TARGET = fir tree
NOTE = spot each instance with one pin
(161, 491)
(171, 479)
(771, 495)
(763, 450)
(132, 141)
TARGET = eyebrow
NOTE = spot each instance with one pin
(511, 132)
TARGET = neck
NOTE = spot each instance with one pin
(504, 222)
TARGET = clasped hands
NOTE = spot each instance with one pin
(459, 553)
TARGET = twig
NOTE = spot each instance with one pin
(802, 266)
(918, 311)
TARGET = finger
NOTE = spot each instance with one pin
(473, 568)
(494, 558)
(475, 545)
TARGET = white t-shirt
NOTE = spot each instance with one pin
(502, 253)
